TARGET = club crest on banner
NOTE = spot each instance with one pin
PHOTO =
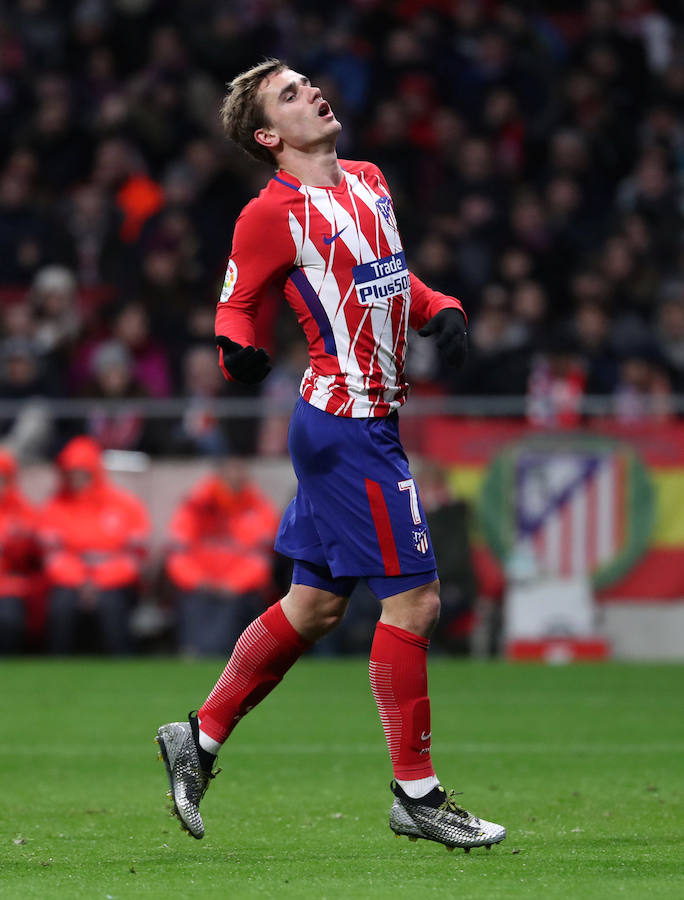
(570, 506)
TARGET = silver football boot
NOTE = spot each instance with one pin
(437, 817)
(188, 781)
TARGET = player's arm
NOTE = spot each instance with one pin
(441, 315)
(260, 256)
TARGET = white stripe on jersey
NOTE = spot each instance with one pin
(334, 296)
(297, 236)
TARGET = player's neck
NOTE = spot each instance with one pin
(318, 169)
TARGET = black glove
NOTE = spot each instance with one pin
(245, 364)
(452, 338)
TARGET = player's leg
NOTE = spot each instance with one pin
(264, 652)
(398, 674)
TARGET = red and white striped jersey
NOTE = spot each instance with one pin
(337, 255)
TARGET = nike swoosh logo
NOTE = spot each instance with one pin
(425, 737)
(334, 237)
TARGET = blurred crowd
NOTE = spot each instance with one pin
(74, 570)
(535, 153)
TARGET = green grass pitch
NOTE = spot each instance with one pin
(583, 764)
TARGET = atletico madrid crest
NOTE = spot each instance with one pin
(384, 204)
(420, 540)
(575, 505)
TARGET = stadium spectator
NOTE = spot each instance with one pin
(643, 392)
(221, 563)
(506, 127)
(670, 333)
(514, 266)
(592, 331)
(631, 282)
(530, 228)
(479, 233)
(498, 360)
(556, 383)
(150, 361)
(165, 288)
(58, 319)
(24, 230)
(95, 536)
(23, 379)
(449, 522)
(113, 379)
(54, 134)
(89, 241)
(119, 168)
(21, 581)
(530, 308)
(17, 320)
(200, 430)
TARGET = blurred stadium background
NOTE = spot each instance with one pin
(535, 152)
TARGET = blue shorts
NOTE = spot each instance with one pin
(381, 585)
(357, 512)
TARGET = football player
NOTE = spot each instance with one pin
(323, 231)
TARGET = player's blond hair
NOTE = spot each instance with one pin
(242, 110)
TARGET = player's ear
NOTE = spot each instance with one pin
(266, 138)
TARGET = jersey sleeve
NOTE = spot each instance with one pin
(261, 255)
(426, 303)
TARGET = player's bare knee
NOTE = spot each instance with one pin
(416, 610)
(313, 612)
(425, 599)
(332, 613)
(425, 616)
(429, 607)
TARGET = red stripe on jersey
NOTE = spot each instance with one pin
(383, 527)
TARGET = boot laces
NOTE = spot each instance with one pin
(450, 806)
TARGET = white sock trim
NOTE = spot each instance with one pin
(208, 743)
(418, 787)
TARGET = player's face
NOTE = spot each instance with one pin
(298, 115)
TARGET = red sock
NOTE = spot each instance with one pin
(398, 677)
(264, 652)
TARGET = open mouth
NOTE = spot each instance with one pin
(324, 108)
